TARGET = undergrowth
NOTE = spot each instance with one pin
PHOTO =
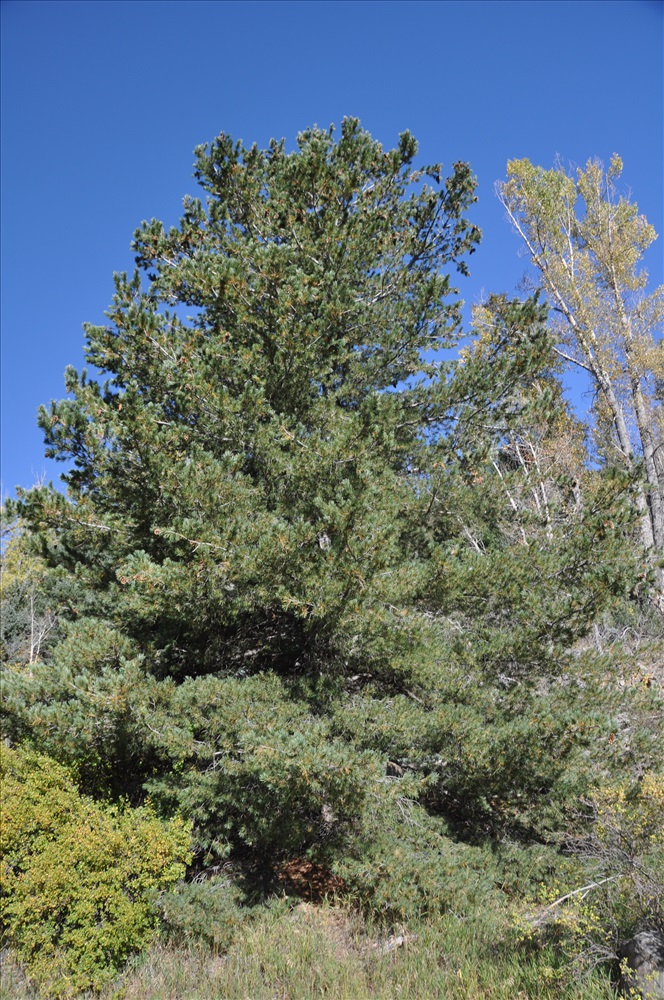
(306, 951)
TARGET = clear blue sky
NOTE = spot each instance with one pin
(103, 103)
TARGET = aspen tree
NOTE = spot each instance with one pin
(588, 242)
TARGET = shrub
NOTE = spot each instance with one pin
(626, 844)
(78, 877)
(611, 884)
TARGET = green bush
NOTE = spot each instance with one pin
(79, 878)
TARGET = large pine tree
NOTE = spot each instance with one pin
(290, 560)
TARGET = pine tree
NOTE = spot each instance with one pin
(292, 558)
(237, 481)
(241, 480)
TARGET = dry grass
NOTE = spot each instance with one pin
(314, 951)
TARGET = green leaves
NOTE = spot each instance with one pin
(78, 878)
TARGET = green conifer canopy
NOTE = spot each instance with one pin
(294, 561)
(243, 469)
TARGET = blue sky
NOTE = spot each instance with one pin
(103, 103)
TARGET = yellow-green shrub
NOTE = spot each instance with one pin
(78, 877)
(612, 883)
(628, 838)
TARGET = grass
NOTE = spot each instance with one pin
(306, 952)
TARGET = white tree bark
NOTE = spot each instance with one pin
(588, 267)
